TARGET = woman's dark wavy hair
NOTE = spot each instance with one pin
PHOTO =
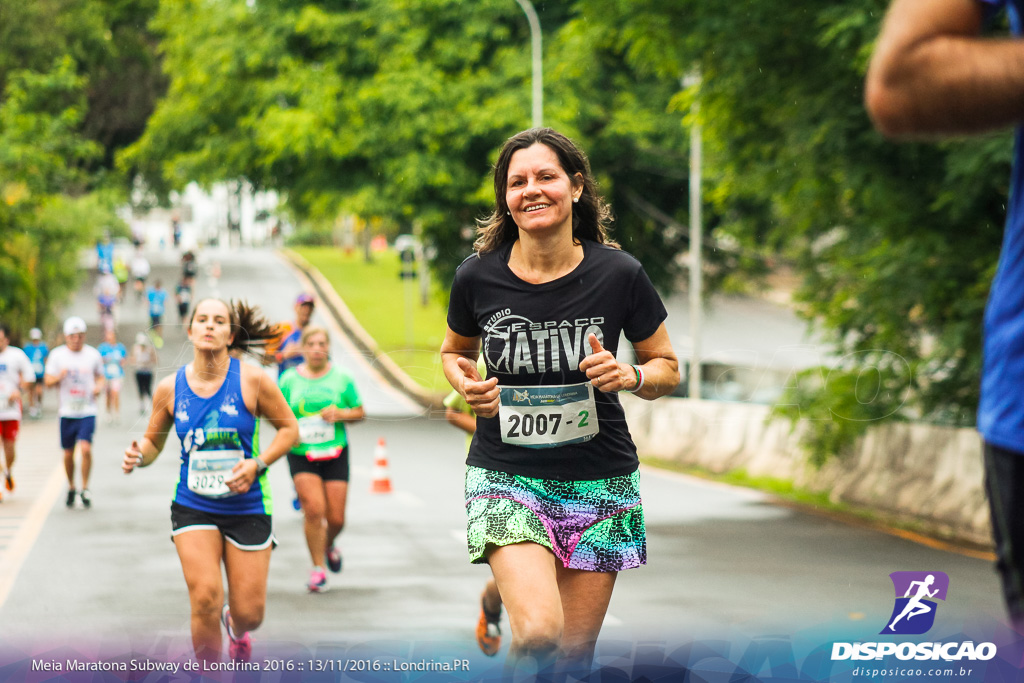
(252, 330)
(591, 216)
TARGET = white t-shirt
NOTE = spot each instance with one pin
(140, 267)
(78, 386)
(15, 368)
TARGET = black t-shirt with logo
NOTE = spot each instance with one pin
(535, 335)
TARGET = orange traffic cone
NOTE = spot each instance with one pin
(381, 480)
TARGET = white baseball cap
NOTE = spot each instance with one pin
(74, 325)
(35, 333)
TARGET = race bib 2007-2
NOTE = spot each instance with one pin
(548, 416)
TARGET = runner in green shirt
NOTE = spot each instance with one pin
(323, 398)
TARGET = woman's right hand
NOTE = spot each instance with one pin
(480, 394)
(132, 458)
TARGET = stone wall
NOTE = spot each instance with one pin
(929, 475)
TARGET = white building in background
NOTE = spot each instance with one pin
(206, 217)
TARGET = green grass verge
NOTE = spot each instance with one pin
(389, 309)
(780, 488)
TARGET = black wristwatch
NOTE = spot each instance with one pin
(261, 466)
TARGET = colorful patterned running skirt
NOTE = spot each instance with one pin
(592, 525)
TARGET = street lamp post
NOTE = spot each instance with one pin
(696, 263)
(538, 65)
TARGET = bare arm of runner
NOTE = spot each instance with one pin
(53, 380)
(336, 414)
(100, 381)
(656, 360)
(458, 358)
(932, 73)
(463, 421)
(144, 452)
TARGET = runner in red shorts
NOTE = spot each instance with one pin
(15, 374)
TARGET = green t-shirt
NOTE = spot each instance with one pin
(307, 397)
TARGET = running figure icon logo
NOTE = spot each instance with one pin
(916, 592)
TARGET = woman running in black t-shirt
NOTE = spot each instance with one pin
(552, 483)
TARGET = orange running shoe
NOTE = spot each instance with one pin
(9, 481)
(488, 631)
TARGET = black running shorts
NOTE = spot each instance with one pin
(335, 469)
(247, 532)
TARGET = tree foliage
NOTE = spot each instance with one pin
(896, 244)
(71, 94)
(397, 110)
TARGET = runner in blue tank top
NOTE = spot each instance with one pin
(222, 504)
(936, 72)
(216, 433)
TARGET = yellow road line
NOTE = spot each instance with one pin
(29, 530)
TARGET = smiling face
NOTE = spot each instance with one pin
(539, 193)
(210, 328)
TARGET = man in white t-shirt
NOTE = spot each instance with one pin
(15, 374)
(78, 369)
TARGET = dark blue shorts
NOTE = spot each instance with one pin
(75, 429)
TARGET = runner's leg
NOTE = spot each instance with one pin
(9, 458)
(336, 493)
(1004, 484)
(200, 552)
(69, 466)
(585, 596)
(9, 453)
(85, 448)
(115, 399)
(310, 488)
(488, 626)
(491, 598)
(527, 577)
(247, 572)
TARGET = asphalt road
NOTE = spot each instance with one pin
(723, 562)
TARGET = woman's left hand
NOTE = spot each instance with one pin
(243, 474)
(603, 371)
(332, 414)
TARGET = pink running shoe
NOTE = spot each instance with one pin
(239, 649)
(317, 581)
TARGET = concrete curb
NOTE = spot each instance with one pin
(926, 475)
(361, 338)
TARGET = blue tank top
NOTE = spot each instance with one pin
(1001, 411)
(213, 430)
